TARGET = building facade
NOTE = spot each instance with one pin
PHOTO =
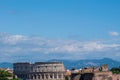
(40, 71)
(95, 73)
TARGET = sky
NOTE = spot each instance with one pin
(39, 30)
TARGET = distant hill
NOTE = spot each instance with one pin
(6, 65)
(69, 64)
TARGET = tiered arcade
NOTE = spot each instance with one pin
(40, 71)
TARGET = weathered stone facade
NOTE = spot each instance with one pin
(95, 73)
(40, 71)
(116, 77)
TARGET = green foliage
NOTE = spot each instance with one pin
(3, 78)
(115, 70)
(15, 79)
(66, 77)
(4, 74)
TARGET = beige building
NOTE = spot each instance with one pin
(40, 71)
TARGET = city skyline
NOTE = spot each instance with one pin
(63, 29)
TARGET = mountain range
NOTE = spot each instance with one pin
(78, 64)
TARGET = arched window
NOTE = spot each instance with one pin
(42, 76)
(35, 76)
(31, 76)
(59, 76)
(55, 75)
(117, 78)
(38, 76)
(46, 76)
(51, 76)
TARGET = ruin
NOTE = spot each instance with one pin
(40, 71)
(95, 73)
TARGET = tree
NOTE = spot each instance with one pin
(5, 74)
(15, 79)
(115, 70)
(66, 77)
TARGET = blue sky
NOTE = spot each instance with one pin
(92, 23)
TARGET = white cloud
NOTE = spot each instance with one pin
(35, 46)
(113, 33)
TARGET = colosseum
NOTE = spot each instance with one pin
(40, 71)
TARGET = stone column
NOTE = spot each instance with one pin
(57, 76)
(37, 76)
(40, 77)
(44, 77)
(48, 76)
(53, 76)
(62, 75)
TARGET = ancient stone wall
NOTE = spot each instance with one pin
(116, 77)
(95, 73)
(103, 75)
(40, 71)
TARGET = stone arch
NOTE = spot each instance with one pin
(51, 76)
(42, 76)
(39, 76)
